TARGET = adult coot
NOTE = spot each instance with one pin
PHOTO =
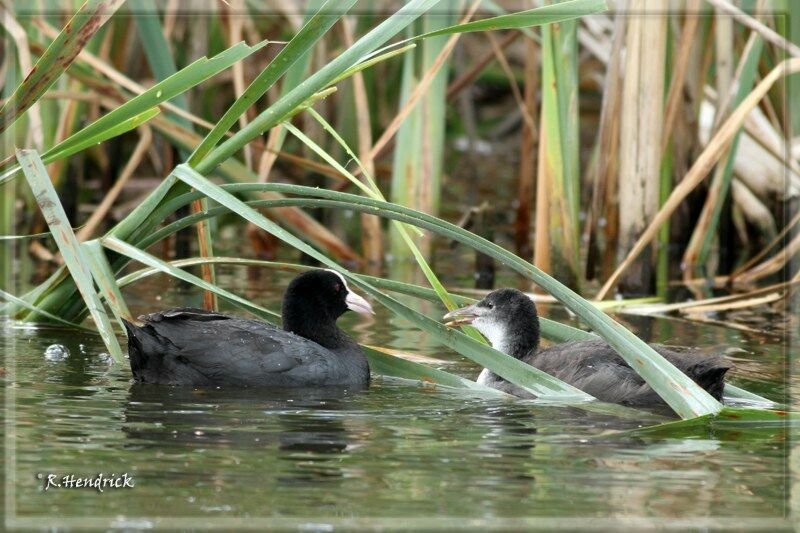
(509, 321)
(186, 346)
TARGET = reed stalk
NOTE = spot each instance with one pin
(557, 242)
(419, 150)
(640, 138)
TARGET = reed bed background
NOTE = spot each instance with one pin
(656, 145)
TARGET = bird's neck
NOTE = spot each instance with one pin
(323, 330)
(518, 340)
(518, 344)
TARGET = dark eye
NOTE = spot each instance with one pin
(490, 305)
(337, 287)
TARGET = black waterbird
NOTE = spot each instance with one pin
(185, 346)
(508, 319)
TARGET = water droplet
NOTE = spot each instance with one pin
(56, 352)
(158, 94)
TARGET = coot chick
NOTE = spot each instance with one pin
(508, 319)
(185, 346)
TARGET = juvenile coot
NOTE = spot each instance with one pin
(186, 346)
(509, 321)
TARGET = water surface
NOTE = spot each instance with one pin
(396, 451)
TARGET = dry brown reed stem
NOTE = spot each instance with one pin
(699, 318)
(767, 33)
(723, 66)
(170, 15)
(771, 265)
(291, 216)
(269, 155)
(313, 166)
(65, 121)
(717, 302)
(457, 85)
(541, 246)
(288, 8)
(100, 212)
(765, 136)
(371, 235)
(235, 36)
(760, 255)
(605, 176)
(699, 170)
(420, 90)
(120, 79)
(640, 136)
(512, 81)
(469, 75)
(109, 103)
(739, 304)
(724, 50)
(681, 61)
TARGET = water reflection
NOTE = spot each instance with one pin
(306, 427)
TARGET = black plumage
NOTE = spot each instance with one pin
(509, 320)
(185, 346)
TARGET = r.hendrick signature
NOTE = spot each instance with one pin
(98, 482)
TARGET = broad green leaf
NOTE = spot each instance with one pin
(287, 104)
(234, 171)
(677, 389)
(728, 419)
(116, 130)
(159, 57)
(105, 279)
(22, 303)
(550, 329)
(561, 12)
(184, 79)
(140, 108)
(121, 247)
(390, 365)
(744, 86)
(298, 49)
(157, 49)
(68, 244)
(57, 58)
(371, 61)
(371, 189)
(538, 382)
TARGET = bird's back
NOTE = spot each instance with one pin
(187, 346)
(596, 368)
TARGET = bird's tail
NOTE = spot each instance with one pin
(710, 374)
(140, 343)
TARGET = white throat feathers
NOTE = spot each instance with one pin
(494, 331)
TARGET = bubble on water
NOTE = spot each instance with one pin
(56, 352)
(105, 358)
(82, 348)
